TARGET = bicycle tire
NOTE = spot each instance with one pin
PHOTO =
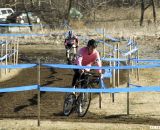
(68, 104)
(83, 103)
(70, 59)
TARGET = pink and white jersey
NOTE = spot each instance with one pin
(85, 59)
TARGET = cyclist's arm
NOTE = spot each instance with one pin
(77, 41)
(79, 60)
(98, 62)
(65, 42)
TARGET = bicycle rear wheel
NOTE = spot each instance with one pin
(83, 103)
(68, 104)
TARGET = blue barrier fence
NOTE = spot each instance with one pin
(22, 35)
(21, 25)
(102, 89)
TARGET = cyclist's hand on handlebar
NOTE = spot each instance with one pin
(81, 71)
(100, 75)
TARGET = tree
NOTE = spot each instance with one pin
(144, 7)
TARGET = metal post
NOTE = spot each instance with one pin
(38, 91)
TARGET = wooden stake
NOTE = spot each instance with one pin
(137, 63)
(128, 86)
(118, 65)
(6, 63)
(113, 72)
(103, 42)
(17, 47)
(14, 55)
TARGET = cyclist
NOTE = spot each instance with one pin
(71, 41)
(87, 56)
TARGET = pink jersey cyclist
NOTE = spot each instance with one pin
(86, 59)
(87, 56)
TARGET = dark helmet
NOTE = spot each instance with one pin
(92, 43)
(70, 34)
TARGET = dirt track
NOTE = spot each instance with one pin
(23, 105)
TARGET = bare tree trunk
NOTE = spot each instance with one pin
(154, 11)
(50, 3)
(68, 10)
(32, 3)
(142, 12)
(29, 22)
(15, 5)
(158, 3)
(39, 4)
(143, 8)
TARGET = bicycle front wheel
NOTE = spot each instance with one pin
(83, 103)
(68, 104)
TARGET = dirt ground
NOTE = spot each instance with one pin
(18, 110)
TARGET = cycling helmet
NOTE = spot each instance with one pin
(70, 34)
(92, 43)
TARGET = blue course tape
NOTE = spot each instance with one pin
(131, 85)
(17, 89)
(113, 39)
(3, 57)
(65, 66)
(130, 52)
(102, 90)
(112, 59)
(146, 60)
(3, 42)
(101, 41)
(18, 66)
(8, 55)
(22, 35)
(130, 42)
(20, 25)
(105, 43)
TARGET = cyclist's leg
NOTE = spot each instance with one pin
(75, 77)
(74, 50)
(67, 51)
(83, 83)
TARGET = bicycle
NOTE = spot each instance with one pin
(80, 101)
(70, 53)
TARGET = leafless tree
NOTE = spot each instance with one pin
(145, 5)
